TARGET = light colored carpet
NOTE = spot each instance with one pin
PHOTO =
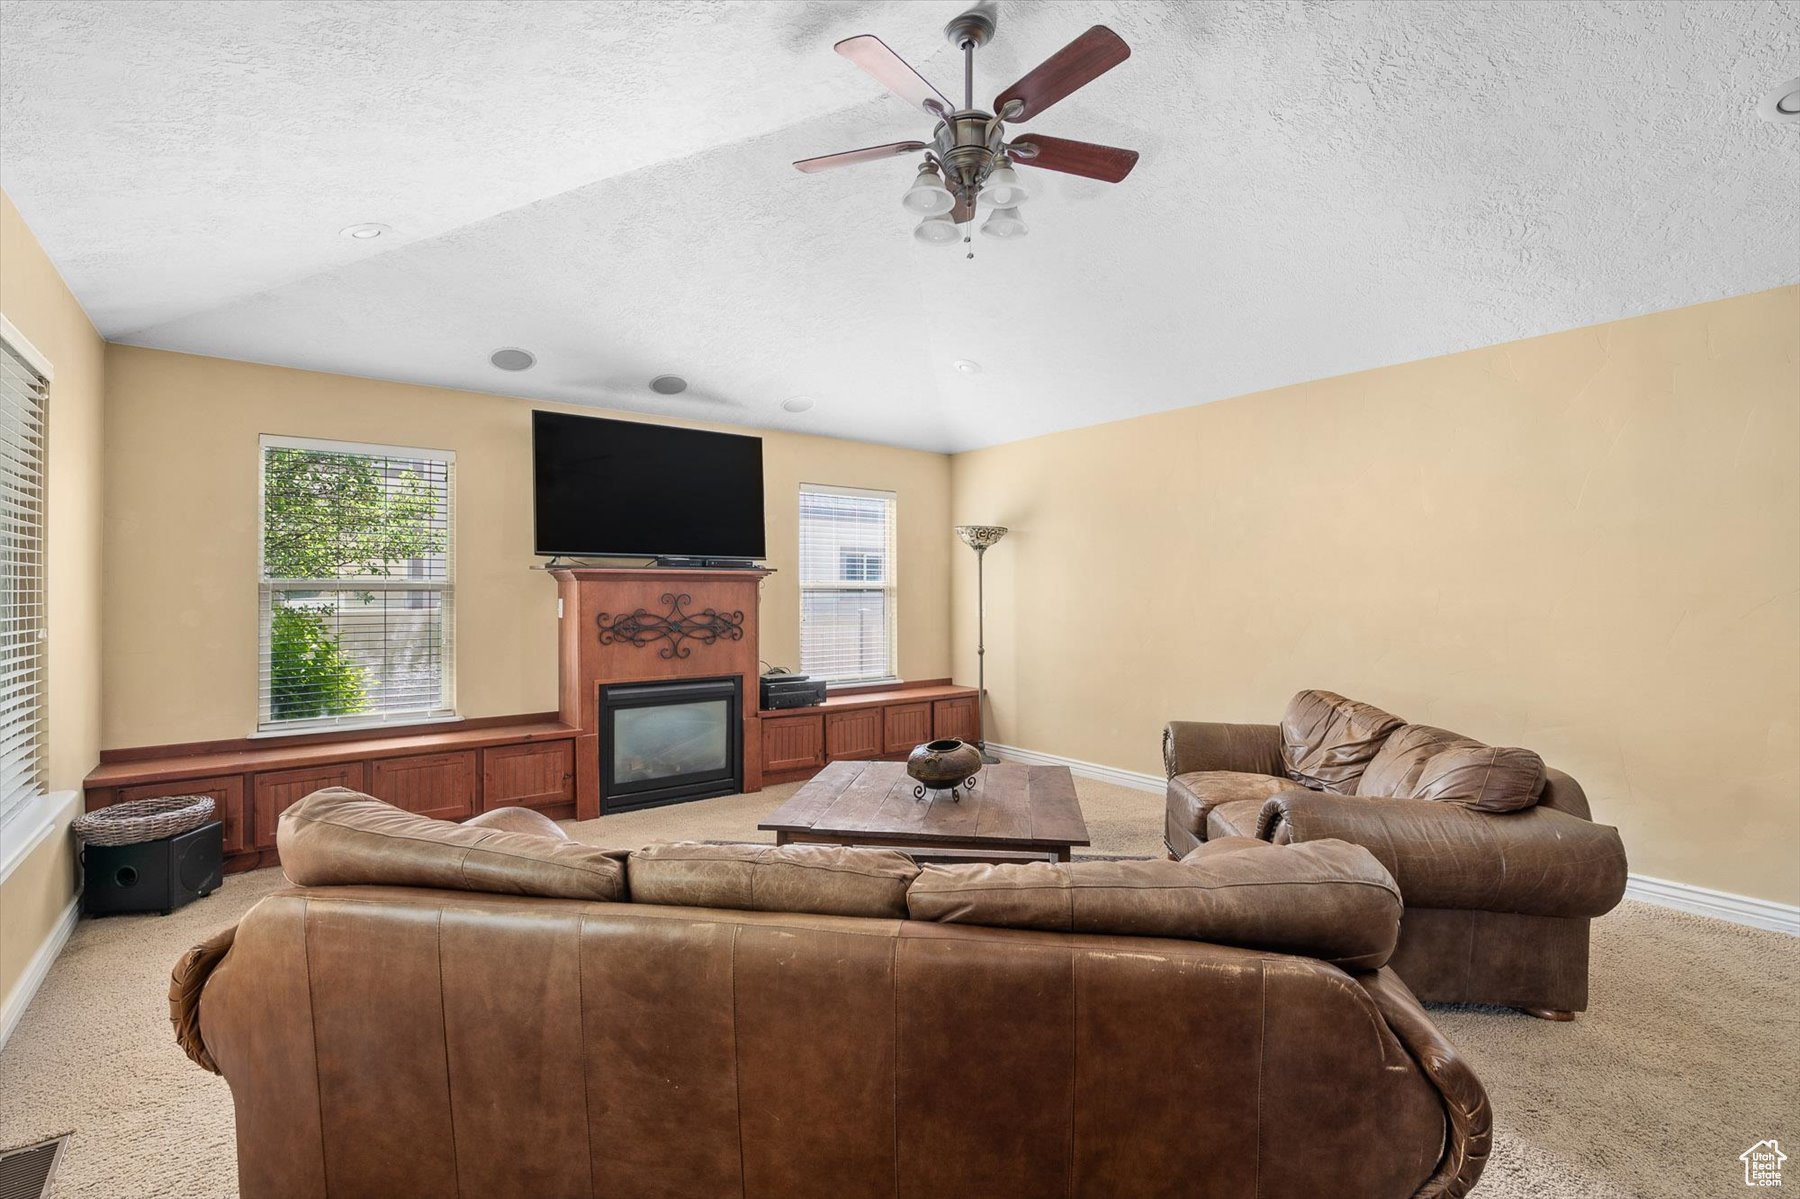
(1690, 1054)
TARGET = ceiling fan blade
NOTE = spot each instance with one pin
(894, 73)
(826, 162)
(1108, 163)
(964, 212)
(1075, 66)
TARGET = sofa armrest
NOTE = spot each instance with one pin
(186, 982)
(1190, 745)
(1564, 794)
(1538, 861)
(1469, 1121)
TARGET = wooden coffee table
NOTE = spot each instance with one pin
(1014, 813)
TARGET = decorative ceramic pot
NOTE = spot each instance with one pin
(941, 765)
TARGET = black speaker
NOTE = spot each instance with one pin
(153, 876)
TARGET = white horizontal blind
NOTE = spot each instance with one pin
(846, 583)
(24, 395)
(357, 584)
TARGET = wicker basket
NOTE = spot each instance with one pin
(144, 819)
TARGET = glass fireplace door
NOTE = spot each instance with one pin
(667, 742)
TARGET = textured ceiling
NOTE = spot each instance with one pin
(1324, 188)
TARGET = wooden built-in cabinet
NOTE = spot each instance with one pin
(906, 725)
(793, 743)
(441, 786)
(529, 762)
(274, 791)
(227, 793)
(853, 734)
(534, 775)
(797, 743)
(956, 717)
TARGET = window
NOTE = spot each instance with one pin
(846, 584)
(357, 585)
(24, 395)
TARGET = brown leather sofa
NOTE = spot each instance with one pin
(446, 1010)
(1496, 855)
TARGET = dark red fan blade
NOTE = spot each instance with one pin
(964, 212)
(1108, 163)
(893, 72)
(826, 162)
(1073, 67)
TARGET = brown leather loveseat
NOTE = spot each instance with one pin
(1496, 855)
(494, 1010)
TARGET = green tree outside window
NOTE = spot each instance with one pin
(329, 516)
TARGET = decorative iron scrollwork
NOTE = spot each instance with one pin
(642, 628)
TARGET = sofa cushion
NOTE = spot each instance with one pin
(518, 820)
(828, 880)
(1327, 740)
(1237, 818)
(338, 837)
(1193, 795)
(1333, 901)
(1484, 777)
(1394, 770)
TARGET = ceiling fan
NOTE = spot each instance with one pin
(969, 158)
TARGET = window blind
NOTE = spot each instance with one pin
(357, 584)
(847, 600)
(24, 396)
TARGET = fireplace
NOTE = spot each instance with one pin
(667, 742)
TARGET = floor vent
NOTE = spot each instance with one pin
(26, 1173)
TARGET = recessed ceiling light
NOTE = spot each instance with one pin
(798, 404)
(668, 385)
(512, 359)
(364, 232)
(967, 366)
(1782, 104)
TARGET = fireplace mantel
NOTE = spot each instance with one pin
(640, 625)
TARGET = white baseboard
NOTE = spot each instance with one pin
(13, 1008)
(1087, 770)
(1685, 897)
(1720, 905)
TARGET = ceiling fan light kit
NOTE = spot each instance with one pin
(969, 159)
(928, 196)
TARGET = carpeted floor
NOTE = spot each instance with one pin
(1690, 1054)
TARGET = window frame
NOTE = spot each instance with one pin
(889, 585)
(26, 816)
(445, 712)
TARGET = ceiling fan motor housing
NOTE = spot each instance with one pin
(969, 146)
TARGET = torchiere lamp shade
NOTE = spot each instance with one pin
(980, 537)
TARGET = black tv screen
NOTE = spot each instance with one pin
(628, 489)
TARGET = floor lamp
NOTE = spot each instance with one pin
(979, 538)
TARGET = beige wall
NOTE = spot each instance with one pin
(1586, 543)
(181, 536)
(34, 299)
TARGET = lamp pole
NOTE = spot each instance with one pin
(981, 538)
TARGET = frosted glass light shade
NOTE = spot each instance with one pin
(1004, 222)
(939, 230)
(1004, 189)
(928, 196)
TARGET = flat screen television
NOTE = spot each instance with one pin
(620, 488)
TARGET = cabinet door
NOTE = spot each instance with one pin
(853, 734)
(272, 792)
(227, 792)
(441, 786)
(535, 775)
(955, 718)
(907, 725)
(792, 743)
